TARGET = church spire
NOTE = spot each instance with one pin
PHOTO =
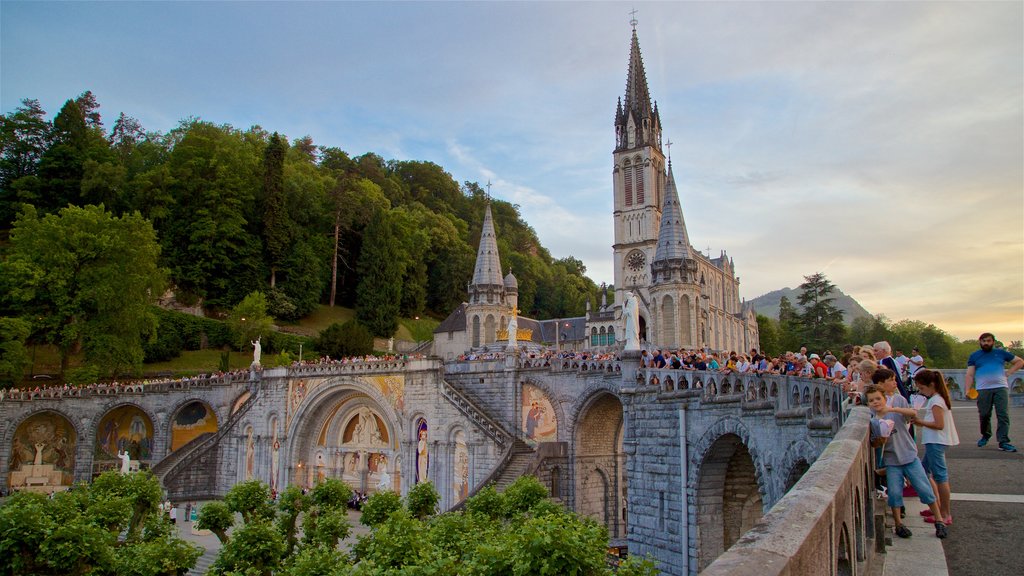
(637, 122)
(488, 263)
(673, 241)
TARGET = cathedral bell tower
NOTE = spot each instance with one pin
(639, 181)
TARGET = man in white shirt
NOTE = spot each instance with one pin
(915, 362)
(901, 362)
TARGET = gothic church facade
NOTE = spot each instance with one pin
(687, 299)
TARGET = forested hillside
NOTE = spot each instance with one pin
(235, 211)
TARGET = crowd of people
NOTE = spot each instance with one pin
(114, 386)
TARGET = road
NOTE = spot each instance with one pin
(986, 536)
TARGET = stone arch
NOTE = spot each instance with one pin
(599, 460)
(685, 330)
(50, 437)
(844, 556)
(489, 329)
(668, 316)
(795, 462)
(476, 331)
(189, 420)
(322, 421)
(125, 426)
(704, 448)
(858, 526)
(729, 498)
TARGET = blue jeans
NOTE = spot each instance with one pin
(998, 398)
(935, 462)
(914, 472)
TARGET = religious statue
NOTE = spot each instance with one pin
(422, 456)
(39, 453)
(126, 461)
(513, 328)
(391, 344)
(385, 481)
(631, 321)
(257, 352)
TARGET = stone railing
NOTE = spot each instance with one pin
(823, 524)
(334, 369)
(816, 398)
(485, 423)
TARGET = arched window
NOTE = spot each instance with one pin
(476, 331)
(639, 171)
(594, 337)
(627, 175)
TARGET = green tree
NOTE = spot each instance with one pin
(379, 507)
(210, 237)
(381, 266)
(422, 500)
(249, 320)
(768, 333)
(14, 357)
(76, 532)
(24, 138)
(790, 333)
(821, 321)
(349, 339)
(255, 548)
(277, 229)
(251, 499)
(88, 278)
(218, 518)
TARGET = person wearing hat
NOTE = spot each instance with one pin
(818, 368)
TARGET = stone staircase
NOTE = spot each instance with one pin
(181, 460)
(204, 562)
(522, 457)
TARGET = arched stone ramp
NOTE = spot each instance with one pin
(728, 497)
(599, 462)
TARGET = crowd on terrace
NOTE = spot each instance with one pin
(139, 385)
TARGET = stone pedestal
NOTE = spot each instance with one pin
(38, 478)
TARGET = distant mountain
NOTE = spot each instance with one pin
(768, 304)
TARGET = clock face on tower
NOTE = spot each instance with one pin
(635, 260)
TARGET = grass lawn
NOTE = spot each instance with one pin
(199, 361)
(321, 318)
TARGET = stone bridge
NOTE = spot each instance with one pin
(677, 464)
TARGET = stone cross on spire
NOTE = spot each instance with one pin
(632, 20)
(668, 147)
(488, 189)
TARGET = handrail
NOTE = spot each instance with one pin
(489, 427)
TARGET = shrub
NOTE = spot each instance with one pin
(348, 339)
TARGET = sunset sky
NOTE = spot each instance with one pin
(880, 143)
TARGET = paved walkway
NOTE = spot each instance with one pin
(987, 508)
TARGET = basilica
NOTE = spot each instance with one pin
(686, 299)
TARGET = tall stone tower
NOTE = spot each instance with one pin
(675, 289)
(639, 181)
(492, 298)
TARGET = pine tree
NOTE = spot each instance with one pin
(379, 294)
(276, 225)
(821, 321)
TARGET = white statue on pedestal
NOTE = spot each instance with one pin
(385, 481)
(126, 461)
(257, 352)
(631, 321)
(513, 329)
